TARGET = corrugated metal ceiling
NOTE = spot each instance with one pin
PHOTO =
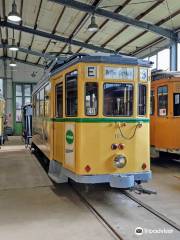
(70, 23)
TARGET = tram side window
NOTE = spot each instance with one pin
(41, 109)
(46, 100)
(37, 104)
(59, 100)
(118, 99)
(176, 104)
(152, 105)
(163, 101)
(142, 100)
(91, 99)
(71, 94)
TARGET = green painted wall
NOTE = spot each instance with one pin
(18, 128)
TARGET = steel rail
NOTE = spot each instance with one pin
(102, 220)
(153, 211)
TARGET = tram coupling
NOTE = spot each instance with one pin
(138, 189)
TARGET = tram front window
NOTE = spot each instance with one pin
(142, 100)
(91, 101)
(176, 104)
(163, 101)
(118, 99)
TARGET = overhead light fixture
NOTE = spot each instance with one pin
(70, 52)
(14, 46)
(93, 27)
(14, 16)
(12, 63)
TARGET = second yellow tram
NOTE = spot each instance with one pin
(91, 120)
(165, 113)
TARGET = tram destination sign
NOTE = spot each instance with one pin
(119, 73)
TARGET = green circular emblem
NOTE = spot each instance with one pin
(69, 137)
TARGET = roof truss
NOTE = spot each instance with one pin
(54, 37)
(33, 52)
(118, 17)
(24, 62)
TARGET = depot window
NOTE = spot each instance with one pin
(118, 99)
(91, 99)
(176, 104)
(59, 100)
(142, 100)
(163, 101)
(152, 103)
(71, 94)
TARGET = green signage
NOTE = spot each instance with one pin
(69, 137)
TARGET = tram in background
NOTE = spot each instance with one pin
(165, 113)
(2, 119)
(91, 120)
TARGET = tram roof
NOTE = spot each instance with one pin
(100, 58)
(92, 58)
(160, 74)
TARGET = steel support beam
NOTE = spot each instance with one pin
(5, 82)
(118, 17)
(152, 44)
(35, 53)
(21, 61)
(54, 37)
(173, 56)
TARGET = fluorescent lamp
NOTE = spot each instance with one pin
(13, 47)
(12, 63)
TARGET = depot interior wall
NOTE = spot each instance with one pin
(23, 73)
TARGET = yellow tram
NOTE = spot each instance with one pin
(2, 105)
(91, 120)
(165, 113)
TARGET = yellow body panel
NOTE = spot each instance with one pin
(93, 136)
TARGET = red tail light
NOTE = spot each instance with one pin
(87, 168)
(121, 146)
(144, 166)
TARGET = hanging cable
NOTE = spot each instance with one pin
(132, 136)
(170, 15)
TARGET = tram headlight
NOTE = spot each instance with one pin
(120, 161)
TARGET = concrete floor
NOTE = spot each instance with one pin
(31, 208)
(166, 182)
(126, 215)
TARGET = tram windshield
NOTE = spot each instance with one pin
(176, 104)
(118, 99)
(91, 101)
